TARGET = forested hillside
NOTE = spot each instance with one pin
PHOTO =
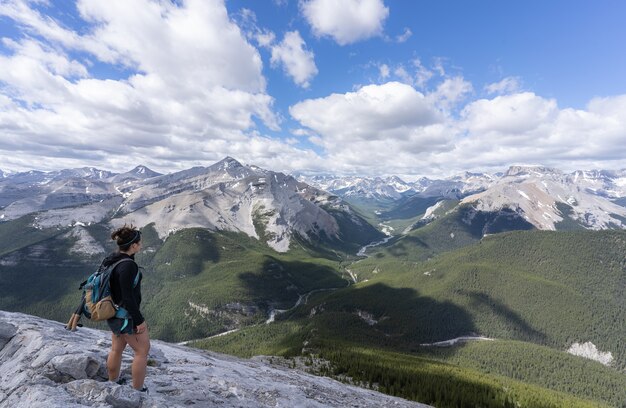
(535, 292)
(196, 283)
(547, 290)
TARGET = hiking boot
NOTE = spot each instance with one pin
(121, 381)
(144, 389)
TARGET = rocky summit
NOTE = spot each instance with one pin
(43, 365)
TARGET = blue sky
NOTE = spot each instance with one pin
(367, 87)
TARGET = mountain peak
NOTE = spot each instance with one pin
(531, 170)
(143, 172)
(229, 162)
(91, 173)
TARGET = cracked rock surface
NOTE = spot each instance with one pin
(43, 365)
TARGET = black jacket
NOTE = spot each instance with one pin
(122, 291)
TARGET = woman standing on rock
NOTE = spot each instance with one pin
(128, 325)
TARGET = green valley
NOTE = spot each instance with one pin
(368, 320)
(535, 292)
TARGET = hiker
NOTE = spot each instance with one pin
(128, 328)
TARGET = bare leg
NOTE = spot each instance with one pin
(140, 343)
(114, 361)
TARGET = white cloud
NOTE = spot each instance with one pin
(298, 62)
(525, 127)
(451, 91)
(506, 86)
(265, 38)
(415, 74)
(195, 45)
(346, 21)
(422, 74)
(375, 128)
(438, 66)
(290, 53)
(404, 36)
(403, 75)
(369, 113)
(510, 114)
(194, 91)
(393, 128)
(384, 71)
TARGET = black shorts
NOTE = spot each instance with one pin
(121, 326)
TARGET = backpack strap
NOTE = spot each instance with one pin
(136, 282)
(107, 277)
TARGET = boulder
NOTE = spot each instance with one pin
(7, 331)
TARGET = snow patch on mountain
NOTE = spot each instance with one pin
(611, 184)
(229, 196)
(536, 192)
(430, 211)
(138, 173)
(85, 243)
(363, 187)
(590, 351)
(70, 216)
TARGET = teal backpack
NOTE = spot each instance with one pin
(96, 302)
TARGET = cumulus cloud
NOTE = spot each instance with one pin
(404, 36)
(298, 62)
(393, 128)
(505, 86)
(525, 127)
(291, 53)
(509, 115)
(372, 112)
(413, 73)
(193, 90)
(346, 21)
(187, 88)
(451, 91)
(387, 125)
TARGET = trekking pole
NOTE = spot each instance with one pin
(73, 322)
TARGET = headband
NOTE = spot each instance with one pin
(137, 235)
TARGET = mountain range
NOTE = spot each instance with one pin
(298, 266)
(545, 197)
(276, 207)
(605, 183)
(266, 205)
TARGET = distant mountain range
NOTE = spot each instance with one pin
(609, 184)
(276, 207)
(270, 259)
(544, 197)
(271, 206)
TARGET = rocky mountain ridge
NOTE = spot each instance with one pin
(605, 183)
(548, 199)
(43, 365)
(276, 207)
(392, 187)
(228, 195)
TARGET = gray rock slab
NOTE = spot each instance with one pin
(7, 331)
(43, 365)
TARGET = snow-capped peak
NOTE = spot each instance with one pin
(392, 187)
(547, 197)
